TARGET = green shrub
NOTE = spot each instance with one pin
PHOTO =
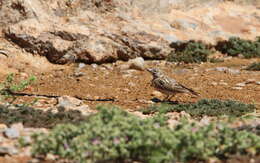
(189, 52)
(114, 135)
(235, 46)
(254, 66)
(210, 107)
(31, 117)
(9, 87)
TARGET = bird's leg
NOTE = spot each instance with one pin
(171, 96)
(166, 98)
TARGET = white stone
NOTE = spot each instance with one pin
(67, 101)
(237, 88)
(137, 63)
(241, 84)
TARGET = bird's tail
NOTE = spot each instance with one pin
(193, 92)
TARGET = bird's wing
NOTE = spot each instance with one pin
(165, 84)
(172, 85)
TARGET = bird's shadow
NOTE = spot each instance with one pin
(156, 100)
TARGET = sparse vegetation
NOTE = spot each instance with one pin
(9, 87)
(235, 46)
(254, 66)
(210, 107)
(31, 117)
(190, 52)
(115, 135)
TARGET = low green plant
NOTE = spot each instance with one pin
(254, 66)
(117, 136)
(210, 107)
(235, 46)
(9, 87)
(38, 118)
(189, 52)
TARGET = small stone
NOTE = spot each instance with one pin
(67, 102)
(34, 161)
(17, 126)
(241, 84)
(94, 65)
(50, 157)
(8, 150)
(233, 71)
(223, 83)
(137, 63)
(3, 127)
(214, 83)
(84, 109)
(108, 66)
(250, 81)
(221, 69)
(157, 94)
(81, 65)
(79, 74)
(27, 139)
(227, 70)
(123, 67)
(131, 84)
(12, 133)
(258, 82)
(126, 90)
(184, 114)
(237, 88)
(145, 101)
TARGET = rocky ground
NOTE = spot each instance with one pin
(103, 38)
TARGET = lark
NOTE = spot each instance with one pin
(167, 85)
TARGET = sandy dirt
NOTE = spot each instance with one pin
(131, 89)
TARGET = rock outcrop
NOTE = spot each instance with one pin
(100, 31)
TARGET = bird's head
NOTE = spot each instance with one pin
(155, 72)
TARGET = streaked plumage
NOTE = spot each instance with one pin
(167, 85)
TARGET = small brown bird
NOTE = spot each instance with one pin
(167, 85)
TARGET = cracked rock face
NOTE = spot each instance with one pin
(105, 31)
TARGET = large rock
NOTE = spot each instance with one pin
(65, 43)
(100, 31)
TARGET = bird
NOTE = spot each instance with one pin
(167, 85)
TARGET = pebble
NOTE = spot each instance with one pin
(17, 126)
(131, 84)
(81, 65)
(8, 150)
(237, 88)
(3, 127)
(50, 157)
(94, 65)
(157, 94)
(79, 74)
(67, 101)
(227, 70)
(250, 81)
(123, 67)
(223, 83)
(137, 63)
(27, 139)
(241, 84)
(214, 83)
(12, 133)
(221, 69)
(258, 83)
(233, 71)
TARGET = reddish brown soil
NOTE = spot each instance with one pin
(100, 83)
